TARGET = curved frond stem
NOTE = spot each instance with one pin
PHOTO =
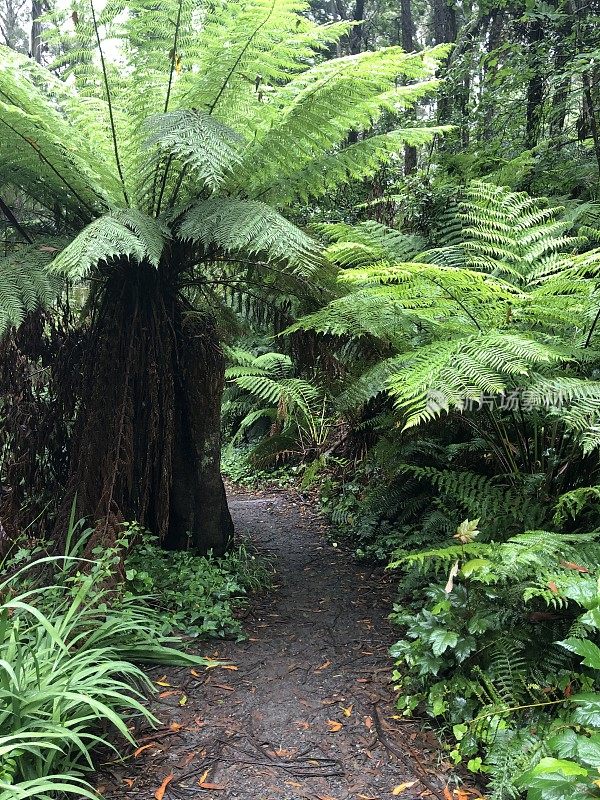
(260, 298)
(163, 184)
(212, 107)
(588, 338)
(262, 265)
(236, 63)
(173, 56)
(7, 211)
(51, 166)
(166, 107)
(457, 301)
(113, 129)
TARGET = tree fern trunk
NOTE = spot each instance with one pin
(199, 515)
(146, 443)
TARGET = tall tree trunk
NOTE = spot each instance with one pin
(37, 7)
(146, 444)
(494, 40)
(535, 86)
(199, 515)
(356, 34)
(443, 29)
(560, 96)
(407, 28)
(590, 114)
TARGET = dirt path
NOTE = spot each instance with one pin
(308, 711)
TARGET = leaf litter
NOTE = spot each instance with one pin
(266, 732)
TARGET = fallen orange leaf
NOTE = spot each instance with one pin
(369, 722)
(168, 693)
(128, 782)
(324, 665)
(334, 725)
(204, 776)
(215, 787)
(572, 565)
(144, 747)
(160, 792)
(175, 726)
(402, 787)
(447, 793)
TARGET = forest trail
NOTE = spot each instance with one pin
(305, 711)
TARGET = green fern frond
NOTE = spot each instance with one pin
(122, 233)
(199, 141)
(25, 284)
(244, 226)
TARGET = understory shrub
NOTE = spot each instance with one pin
(198, 595)
(500, 648)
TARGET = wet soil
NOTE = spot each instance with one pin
(307, 708)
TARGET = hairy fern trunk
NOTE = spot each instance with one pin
(146, 442)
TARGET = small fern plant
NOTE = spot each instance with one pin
(263, 401)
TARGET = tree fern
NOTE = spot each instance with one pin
(181, 119)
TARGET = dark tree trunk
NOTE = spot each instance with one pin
(407, 28)
(590, 114)
(356, 34)
(199, 515)
(560, 96)
(535, 86)
(146, 444)
(494, 40)
(37, 8)
(443, 29)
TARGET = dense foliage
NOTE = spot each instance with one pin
(376, 227)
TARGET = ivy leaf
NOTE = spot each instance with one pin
(589, 651)
(441, 640)
(587, 710)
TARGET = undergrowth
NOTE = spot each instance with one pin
(73, 631)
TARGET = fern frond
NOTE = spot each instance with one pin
(122, 233)
(244, 226)
(208, 147)
(25, 285)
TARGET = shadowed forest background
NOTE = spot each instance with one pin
(347, 251)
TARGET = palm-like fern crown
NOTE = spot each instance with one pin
(508, 305)
(179, 120)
